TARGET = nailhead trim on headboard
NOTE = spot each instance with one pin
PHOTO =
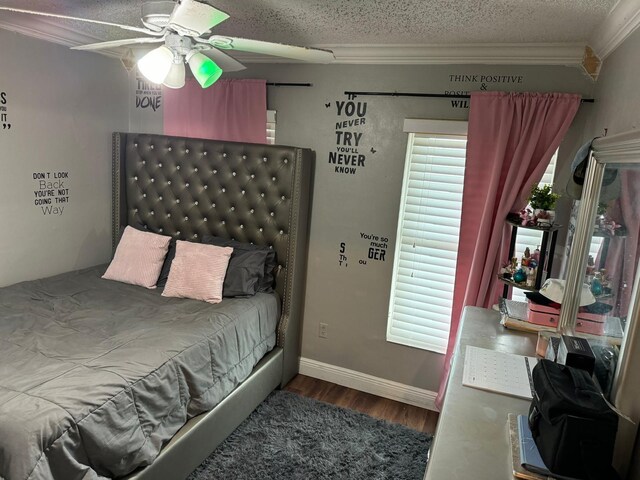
(187, 188)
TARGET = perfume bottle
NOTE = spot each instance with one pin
(536, 254)
(591, 265)
(520, 276)
(596, 285)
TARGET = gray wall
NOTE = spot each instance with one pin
(618, 105)
(618, 111)
(62, 107)
(353, 298)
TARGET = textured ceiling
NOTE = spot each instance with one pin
(315, 22)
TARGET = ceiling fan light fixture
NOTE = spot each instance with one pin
(194, 18)
(155, 14)
(156, 64)
(175, 78)
(205, 70)
(184, 29)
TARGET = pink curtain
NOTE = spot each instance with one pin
(231, 109)
(511, 139)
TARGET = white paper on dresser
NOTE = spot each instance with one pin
(499, 372)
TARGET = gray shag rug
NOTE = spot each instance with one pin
(292, 437)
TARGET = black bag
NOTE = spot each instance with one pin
(572, 425)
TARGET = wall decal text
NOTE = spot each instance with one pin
(376, 246)
(51, 191)
(347, 157)
(342, 257)
(4, 111)
(478, 83)
(148, 95)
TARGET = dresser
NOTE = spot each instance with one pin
(471, 440)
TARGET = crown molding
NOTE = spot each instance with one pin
(622, 21)
(50, 32)
(489, 54)
(493, 54)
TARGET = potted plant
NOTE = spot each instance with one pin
(543, 202)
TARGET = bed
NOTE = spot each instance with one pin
(100, 379)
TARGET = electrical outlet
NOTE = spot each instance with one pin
(322, 331)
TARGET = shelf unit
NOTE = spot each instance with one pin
(547, 250)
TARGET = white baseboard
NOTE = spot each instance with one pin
(369, 384)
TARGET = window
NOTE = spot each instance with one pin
(427, 237)
(532, 238)
(271, 127)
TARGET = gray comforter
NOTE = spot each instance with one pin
(96, 375)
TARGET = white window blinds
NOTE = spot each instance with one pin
(427, 239)
(271, 127)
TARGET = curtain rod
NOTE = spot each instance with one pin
(428, 95)
(275, 84)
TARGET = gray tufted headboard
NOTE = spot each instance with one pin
(256, 193)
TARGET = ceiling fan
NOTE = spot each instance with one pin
(184, 28)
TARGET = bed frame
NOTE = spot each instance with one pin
(255, 193)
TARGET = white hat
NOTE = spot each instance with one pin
(553, 289)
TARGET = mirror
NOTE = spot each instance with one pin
(603, 258)
(610, 267)
(603, 249)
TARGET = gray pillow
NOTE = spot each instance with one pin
(248, 267)
(166, 266)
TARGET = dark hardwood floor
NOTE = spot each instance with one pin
(378, 407)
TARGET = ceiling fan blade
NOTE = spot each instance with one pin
(118, 43)
(314, 55)
(66, 17)
(193, 18)
(224, 61)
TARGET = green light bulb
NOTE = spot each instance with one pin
(211, 71)
(205, 70)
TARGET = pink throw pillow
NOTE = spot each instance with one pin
(138, 259)
(198, 272)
